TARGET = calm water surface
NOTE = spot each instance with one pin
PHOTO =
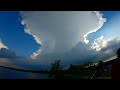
(12, 74)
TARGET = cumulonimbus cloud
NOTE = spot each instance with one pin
(100, 23)
(99, 43)
(59, 31)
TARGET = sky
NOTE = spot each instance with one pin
(13, 36)
(72, 36)
(106, 28)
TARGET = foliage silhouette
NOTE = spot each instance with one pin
(56, 70)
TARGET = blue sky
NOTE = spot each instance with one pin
(106, 28)
(13, 36)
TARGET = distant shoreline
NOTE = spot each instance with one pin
(23, 70)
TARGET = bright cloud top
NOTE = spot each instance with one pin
(100, 23)
(99, 43)
(110, 33)
(2, 45)
(59, 32)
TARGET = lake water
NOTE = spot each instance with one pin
(12, 74)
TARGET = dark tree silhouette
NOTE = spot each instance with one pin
(72, 68)
(55, 70)
(116, 66)
(118, 53)
(98, 71)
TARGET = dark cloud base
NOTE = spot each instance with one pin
(7, 53)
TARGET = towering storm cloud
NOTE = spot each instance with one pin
(59, 32)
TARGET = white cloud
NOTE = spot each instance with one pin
(112, 46)
(99, 43)
(35, 54)
(81, 52)
(99, 25)
(60, 31)
(2, 45)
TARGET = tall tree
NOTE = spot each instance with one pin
(55, 70)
